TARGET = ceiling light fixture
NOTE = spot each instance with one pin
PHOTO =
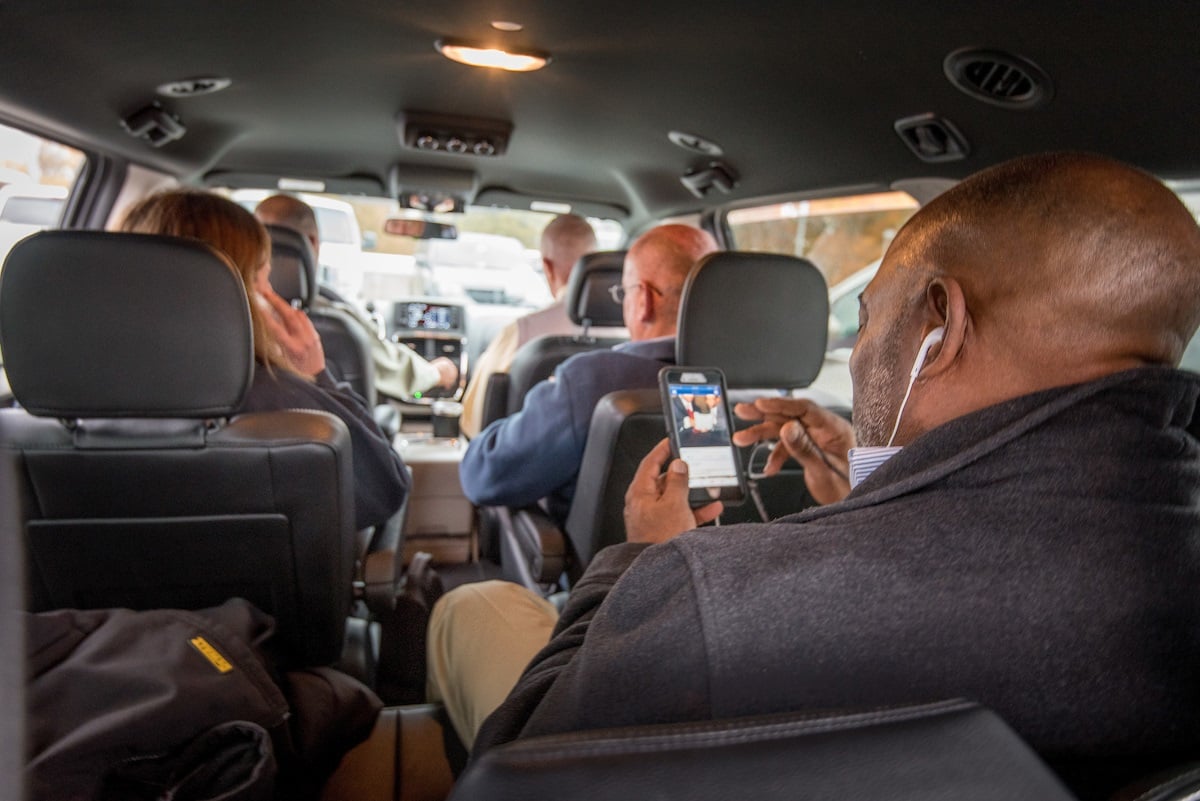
(506, 26)
(480, 56)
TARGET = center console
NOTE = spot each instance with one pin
(432, 328)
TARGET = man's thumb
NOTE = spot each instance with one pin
(677, 475)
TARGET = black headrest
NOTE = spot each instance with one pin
(293, 265)
(760, 317)
(96, 324)
(587, 289)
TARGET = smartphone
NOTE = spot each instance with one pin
(700, 428)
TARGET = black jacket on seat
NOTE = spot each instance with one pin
(1039, 557)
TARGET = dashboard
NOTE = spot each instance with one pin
(432, 329)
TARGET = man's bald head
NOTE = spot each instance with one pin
(290, 212)
(564, 241)
(656, 267)
(1046, 270)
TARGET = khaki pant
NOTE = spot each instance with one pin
(481, 638)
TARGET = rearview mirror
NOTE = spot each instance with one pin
(432, 202)
(419, 229)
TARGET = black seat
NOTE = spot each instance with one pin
(346, 344)
(765, 342)
(124, 472)
(589, 305)
(949, 750)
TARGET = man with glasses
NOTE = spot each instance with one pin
(536, 453)
(564, 241)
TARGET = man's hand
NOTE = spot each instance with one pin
(295, 333)
(656, 504)
(812, 435)
(447, 372)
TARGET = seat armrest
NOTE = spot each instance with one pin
(533, 550)
(381, 573)
(495, 399)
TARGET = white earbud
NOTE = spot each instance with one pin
(934, 337)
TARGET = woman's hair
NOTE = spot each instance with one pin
(227, 227)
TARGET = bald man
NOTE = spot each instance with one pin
(400, 372)
(536, 453)
(564, 240)
(1024, 528)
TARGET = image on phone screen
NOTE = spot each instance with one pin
(702, 428)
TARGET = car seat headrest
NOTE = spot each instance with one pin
(760, 317)
(293, 265)
(587, 289)
(96, 324)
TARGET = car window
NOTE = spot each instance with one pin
(1189, 193)
(36, 176)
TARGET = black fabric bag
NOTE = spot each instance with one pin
(182, 705)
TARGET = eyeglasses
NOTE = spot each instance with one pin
(619, 291)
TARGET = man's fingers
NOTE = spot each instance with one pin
(645, 479)
(756, 433)
(779, 455)
(747, 411)
(708, 513)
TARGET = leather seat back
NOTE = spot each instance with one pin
(346, 343)
(589, 305)
(762, 319)
(946, 750)
(127, 474)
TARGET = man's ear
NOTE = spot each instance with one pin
(945, 306)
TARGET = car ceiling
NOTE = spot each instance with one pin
(802, 96)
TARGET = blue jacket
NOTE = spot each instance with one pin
(536, 452)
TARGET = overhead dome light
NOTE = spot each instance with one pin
(494, 57)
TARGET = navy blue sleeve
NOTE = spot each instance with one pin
(526, 456)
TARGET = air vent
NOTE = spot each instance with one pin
(1001, 79)
(193, 87)
(694, 143)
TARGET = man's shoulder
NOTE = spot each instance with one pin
(620, 363)
(551, 320)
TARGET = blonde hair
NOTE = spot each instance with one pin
(231, 230)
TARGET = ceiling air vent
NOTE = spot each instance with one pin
(1001, 79)
(192, 87)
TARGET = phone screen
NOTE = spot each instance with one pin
(701, 429)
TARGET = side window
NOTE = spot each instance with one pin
(845, 237)
(1190, 195)
(36, 175)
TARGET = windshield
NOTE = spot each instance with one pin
(493, 258)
